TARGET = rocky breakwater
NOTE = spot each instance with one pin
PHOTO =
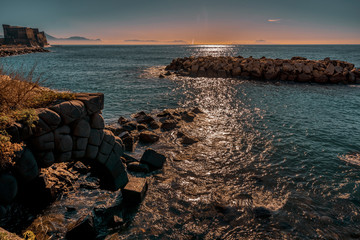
(296, 69)
(6, 51)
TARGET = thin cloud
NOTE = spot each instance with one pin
(274, 20)
(140, 40)
(260, 41)
(177, 41)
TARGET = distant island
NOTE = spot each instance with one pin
(73, 38)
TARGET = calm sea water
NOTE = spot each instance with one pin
(264, 145)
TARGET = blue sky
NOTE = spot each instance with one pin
(199, 21)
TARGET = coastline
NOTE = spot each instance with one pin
(6, 51)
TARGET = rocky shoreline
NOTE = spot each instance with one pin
(75, 173)
(6, 51)
(296, 69)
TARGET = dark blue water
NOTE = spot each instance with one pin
(263, 145)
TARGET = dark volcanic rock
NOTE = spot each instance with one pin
(134, 191)
(8, 188)
(84, 228)
(168, 124)
(153, 158)
(148, 137)
(138, 167)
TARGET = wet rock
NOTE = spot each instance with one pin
(83, 228)
(168, 73)
(129, 143)
(113, 174)
(262, 213)
(141, 127)
(138, 167)
(186, 140)
(122, 120)
(298, 58)
(148, 137)
(330, 69)
(188, 116)
(130, 126)
(142, 117)
(8, 188)
(161, 76)
(168, 124)
(153, 158)
(303, 77)
(129, 159)
(26, 166)
(337, 78)
(134, 191)
(154, 125)
(196, 110)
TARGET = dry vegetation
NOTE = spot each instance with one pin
(19, 94)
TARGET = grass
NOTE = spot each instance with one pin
(20, 94)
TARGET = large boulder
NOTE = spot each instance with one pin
(63, 139)
(169, 124)
(83, 228)
(97, 121)
(70, 111)
(26, 166)
(44, 142)
(153, 158)
(45, 159)
(330, 69)
(94, 102)
(8, 188)
(82, 129)
(51, 118)
(135, 189)
(148, 137)
(106, 147)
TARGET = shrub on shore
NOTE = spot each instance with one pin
(20, 94)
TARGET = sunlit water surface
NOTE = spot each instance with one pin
(274, 159)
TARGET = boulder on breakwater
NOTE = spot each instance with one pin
(297, 69)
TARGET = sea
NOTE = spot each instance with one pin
(275, 160)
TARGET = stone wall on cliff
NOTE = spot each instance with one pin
(14, 35)
(66, 132)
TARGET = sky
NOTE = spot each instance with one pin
(191, 22)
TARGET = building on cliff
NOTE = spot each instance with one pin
(14, 35)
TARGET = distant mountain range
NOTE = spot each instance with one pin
(73, 38)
